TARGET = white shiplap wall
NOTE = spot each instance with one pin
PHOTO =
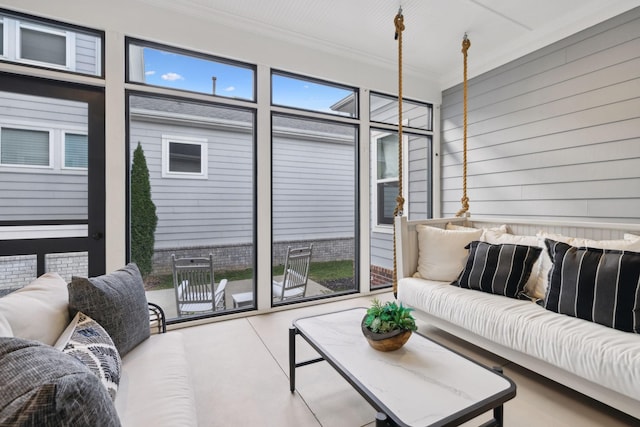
(554, 134)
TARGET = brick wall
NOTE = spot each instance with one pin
(380, 276)
(238, 257)
(18, 271)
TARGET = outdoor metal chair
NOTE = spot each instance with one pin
(296, 274)
(194, 284)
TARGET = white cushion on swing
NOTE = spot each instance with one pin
(442, 253)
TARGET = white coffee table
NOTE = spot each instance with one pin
(421, 384)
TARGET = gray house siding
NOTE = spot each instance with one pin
(88, 54)
(199, 212)
(313, 188)
(553, 134)
(38, 193)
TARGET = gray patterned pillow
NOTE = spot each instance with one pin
(88, 342)
(43, 386)
(117, 302)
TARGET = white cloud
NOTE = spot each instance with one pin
(172, 76)
(149, 73)
(230, 89)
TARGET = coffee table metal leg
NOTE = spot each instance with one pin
(292, 358)
(382, 420)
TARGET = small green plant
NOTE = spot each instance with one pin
(382, 318)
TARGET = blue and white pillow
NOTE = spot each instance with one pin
(88, 342)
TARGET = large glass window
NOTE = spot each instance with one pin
(384, 163)
(314, 203)
(208, 218)
(176, 69)
(384, 109)
(307, 94)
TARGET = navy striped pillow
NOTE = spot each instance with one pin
(498, 269)
(599, 285)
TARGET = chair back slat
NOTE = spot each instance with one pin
(194, 282)
(296, 267)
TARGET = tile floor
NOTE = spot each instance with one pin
(240, 370)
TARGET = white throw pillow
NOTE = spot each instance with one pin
(499, 229)
(442, 253)
(629, 236)
(39, 311)
(497, 238)
(546, 264)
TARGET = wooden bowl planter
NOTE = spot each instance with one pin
(388, 341)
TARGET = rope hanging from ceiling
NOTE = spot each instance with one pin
(466, 43)
(397, 212)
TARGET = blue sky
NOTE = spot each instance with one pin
(194, 74)
(178, 71)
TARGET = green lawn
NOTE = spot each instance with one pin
(321, 272)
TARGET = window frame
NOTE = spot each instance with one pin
(355, 91)
(131, 41)
(12, 21)
(5, 37)
(51, 153)
(203, 143)
(63, 150)
(385, 227)
(70, 45)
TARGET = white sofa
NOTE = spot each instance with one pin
(596, 360)
(154, 386)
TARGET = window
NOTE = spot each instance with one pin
(384, 109)
(44, 45)
(28, 40)
(184, 157)
(313, 95)
(177, 69)
(2, 37)
(24, 147)
(75, 151)
(387, 177)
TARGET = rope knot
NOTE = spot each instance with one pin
(399, 23)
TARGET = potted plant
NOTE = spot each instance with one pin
(388, 326)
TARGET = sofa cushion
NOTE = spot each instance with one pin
(43, 386)
(38, 311)
(442, 253)
(156, 387)
(116, 301)
(599, 285)
(530, 289)
(5, 327)
(88, 342)
(498, 269)
(606, 356)
(627, 244)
